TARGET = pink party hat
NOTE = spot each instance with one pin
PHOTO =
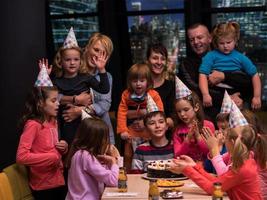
(227, 103)
(180, 89)
(236, 118)
(70, 40)
(151, 105)
(85, 115)
(43, 78)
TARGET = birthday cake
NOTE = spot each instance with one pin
(158, 169)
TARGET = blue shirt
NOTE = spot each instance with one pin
(234, 61)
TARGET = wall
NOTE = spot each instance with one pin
(23, 41)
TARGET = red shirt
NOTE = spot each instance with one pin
(242, 184)
(37, 150)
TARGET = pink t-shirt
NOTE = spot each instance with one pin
(197, 150)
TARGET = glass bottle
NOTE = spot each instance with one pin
(217, 191)
(122, 180)
(153, 192)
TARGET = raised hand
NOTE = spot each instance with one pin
(44, 61)
(100, 61)
(211, 141)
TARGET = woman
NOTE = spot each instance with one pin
(157, 56)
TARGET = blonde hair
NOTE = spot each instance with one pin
(139, 70)
(57, 66)
(244, 138)
(225, 29)
(105, 41)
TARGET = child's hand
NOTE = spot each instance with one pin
(44, 61)
(125, 136)
(106, 159)
(62, 146)
(100, 61)
(211, 141)
(256, 103)
(84, 99)
(207, 100)
(112, 151)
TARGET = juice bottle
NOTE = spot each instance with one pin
(122, 180)
(153, 192)
(217, 191)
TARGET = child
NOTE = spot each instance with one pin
(223, 162)
(189, 121)
(90, 169)
(134, 99)
(226, 59)
(72, 83)
(158, 147)
(222, 120)
(241, 181)
(39, 148)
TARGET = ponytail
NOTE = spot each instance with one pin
(244, 141)
(261, 150)
(240, 154)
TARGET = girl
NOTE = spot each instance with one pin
(89, 167)
(72, 83)
(241, 181)
(189, 122)
(223, 162)
(159, 147)
(39, 148)
(134, 98)
(226, 59)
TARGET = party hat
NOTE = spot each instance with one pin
(151, 105)
(43, 78)
(180, 89)
(236, 118)
(70, 40)
(227, 103)
(85, 115)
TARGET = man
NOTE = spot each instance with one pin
(200, 41)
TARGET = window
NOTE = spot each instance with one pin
(80, 14)
(252, 17)
(152, 21)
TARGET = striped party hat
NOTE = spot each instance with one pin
(43, 78)
(180, 89)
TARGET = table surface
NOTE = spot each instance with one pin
(138, 185)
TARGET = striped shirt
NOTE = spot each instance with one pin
(147, 152)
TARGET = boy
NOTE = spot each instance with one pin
(158, 147)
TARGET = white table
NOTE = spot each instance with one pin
(138, 185)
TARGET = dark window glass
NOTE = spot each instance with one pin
(167, 29)
(237, 3)
(83, 28)
(58, 7)
(138, 5)
(253, 40)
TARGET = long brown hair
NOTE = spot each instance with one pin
(91, 136)
(194, 101)
(33, 109)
